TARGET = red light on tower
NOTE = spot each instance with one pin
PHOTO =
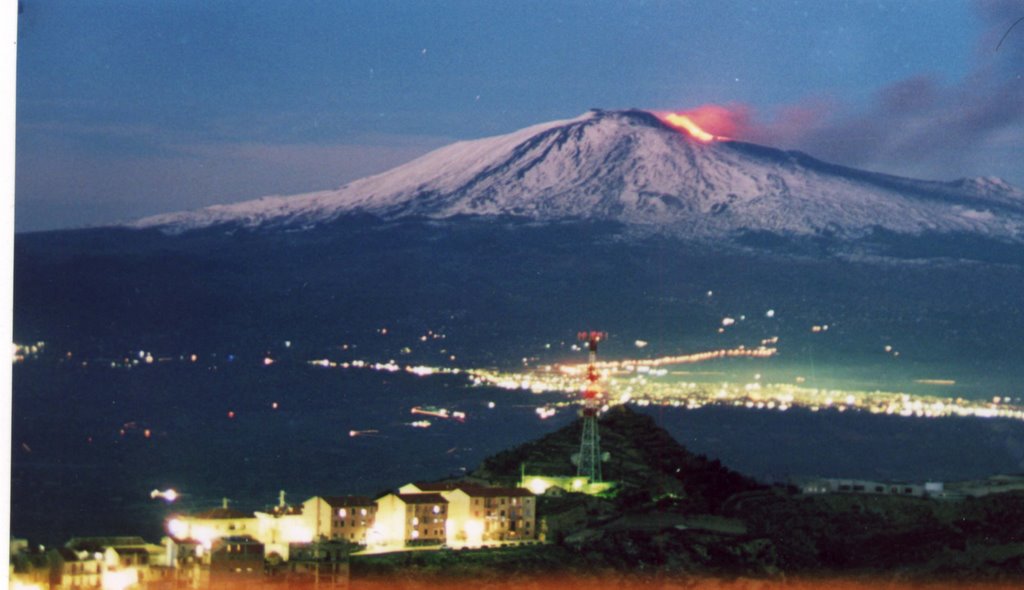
(591, 393)
(588, 461)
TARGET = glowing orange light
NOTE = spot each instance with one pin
(685, 123)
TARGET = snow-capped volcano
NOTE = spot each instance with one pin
(630, 166)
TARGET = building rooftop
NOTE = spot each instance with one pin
(131, 550)
(422, 498)
(438, 486)
(345, 501)
(222, 513)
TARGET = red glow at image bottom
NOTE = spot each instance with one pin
(621, 582)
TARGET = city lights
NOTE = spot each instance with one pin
(168, 495)
(649, 381)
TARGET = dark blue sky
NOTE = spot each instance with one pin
(133, 107)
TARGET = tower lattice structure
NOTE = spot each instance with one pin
(589, 462)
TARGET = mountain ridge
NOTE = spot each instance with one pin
(632, 167)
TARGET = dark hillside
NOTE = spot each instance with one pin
(501, 289)
(643, 457)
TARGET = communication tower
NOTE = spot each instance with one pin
(588, 462)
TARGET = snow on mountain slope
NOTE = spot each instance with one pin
(631, 167)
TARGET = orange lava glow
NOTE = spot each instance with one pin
(686, 124)
(710, 122)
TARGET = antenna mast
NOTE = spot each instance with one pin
(589, 459)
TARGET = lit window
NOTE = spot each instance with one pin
(415, 520)
(342, 512)
(362, 511)
(437, 509)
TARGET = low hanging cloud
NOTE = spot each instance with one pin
(918, 126)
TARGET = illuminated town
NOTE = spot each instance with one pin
(639, 381)
(313, 541)
(307, 544)
(515, 296)
(651, 382)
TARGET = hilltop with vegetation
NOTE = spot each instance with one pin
(676, 514)
(643, 460)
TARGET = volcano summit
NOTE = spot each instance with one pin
(489, 254)
(623, 205)
(635, 168)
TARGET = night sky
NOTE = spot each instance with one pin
(128, 108)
